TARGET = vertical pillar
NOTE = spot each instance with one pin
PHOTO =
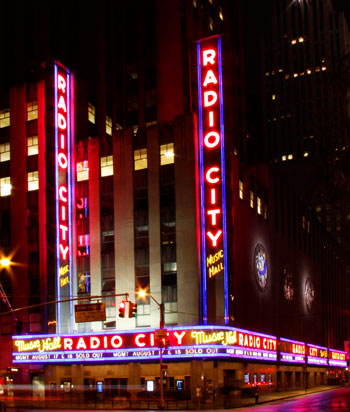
(124, 218)
(186, 224)
(155, 257)
(94, 220)
(18, 202)
(42, 201)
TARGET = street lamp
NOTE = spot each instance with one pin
(5, 262)
(142, 293)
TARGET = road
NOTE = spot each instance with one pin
(335, 400)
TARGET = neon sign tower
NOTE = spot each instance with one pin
(211, 160)
(64, 135)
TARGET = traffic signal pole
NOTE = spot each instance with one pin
(161, 326)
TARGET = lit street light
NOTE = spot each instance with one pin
(141, 293)
(5, 262)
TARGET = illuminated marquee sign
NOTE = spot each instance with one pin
(186, 342)
(317, 355)
(63, 112)
(292, 351)
(337, 358)
(211, 159)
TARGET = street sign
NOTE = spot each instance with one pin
(90, 312)
(161, 333)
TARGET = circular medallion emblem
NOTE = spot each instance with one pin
(260, 266)
(287, 285)
(309, 293)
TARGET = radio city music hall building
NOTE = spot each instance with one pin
(252, 286)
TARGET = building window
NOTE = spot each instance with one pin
(32, 111)
(32, 146)
(5, 186)
(91, 113)
(166, 154)
(251, 197)
(4, 118)
(140, 159)
(4, 152)
(241, 189)
(82, 171)
(109, 125)
(106, 166)
(33, 181)
(258, 205)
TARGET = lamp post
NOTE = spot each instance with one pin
(5, 263)
(141, 293)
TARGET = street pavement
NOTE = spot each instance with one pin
(325, 398)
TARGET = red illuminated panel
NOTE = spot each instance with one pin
(337, 358)
(212, 180)
(317, 355)
(63, 100)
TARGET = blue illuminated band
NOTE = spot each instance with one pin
(222, 133)
(58, 286)
(203, 259)
(201, 171)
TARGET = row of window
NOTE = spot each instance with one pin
(6, 187)
(92, 118)
(32, 114)
(140, 162)
(32, 149)
(106, 165)
(261, 207)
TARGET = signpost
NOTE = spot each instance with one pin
(90, 312)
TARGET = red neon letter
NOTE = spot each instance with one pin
(62, 104)
(213, 214)
(81, 344)
(215, 142)
(62, 192)
(214, 238)
(63, 212)
(62, 123)
(116, 341)
(211, 118)
(213, 196)
(179, 336)
(94, 342)
(64, 230)
(80, 203)
(64, 252)
(209, 56)
(209, 78)
(63, 141)
(62, 160)
(209, 173)
(67, 343)
(210, 98)
(137, 340)
(61, 83)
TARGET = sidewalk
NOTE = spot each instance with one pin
(220, 404)
(274, 396)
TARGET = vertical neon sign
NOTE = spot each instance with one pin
(63, 95)
(214, 277)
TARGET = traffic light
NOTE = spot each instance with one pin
(132, 310)
(122, 309)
